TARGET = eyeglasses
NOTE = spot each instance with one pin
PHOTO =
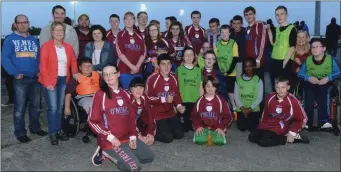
(23, 22)
(109, 74)
(316, 46)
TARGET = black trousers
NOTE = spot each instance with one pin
(186, 117)
(169, 129)
(8, 83)
(276, 70)
(250, 123)
(266, 138)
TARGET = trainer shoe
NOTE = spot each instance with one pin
(97, 157)
(313, 128)
(326, 125)
(301, 139)
(8, 103)
(336, 129)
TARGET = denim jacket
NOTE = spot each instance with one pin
(107, 54)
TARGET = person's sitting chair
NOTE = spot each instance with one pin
(78, 99)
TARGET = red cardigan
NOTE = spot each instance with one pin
(49, 63)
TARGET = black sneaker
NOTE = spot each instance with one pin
(336, 129)
(97, 157)
(40, 133)
(24, 139)
(301, 139)
(61, 136)
(8, 103)
(313, 128)
(53, 139)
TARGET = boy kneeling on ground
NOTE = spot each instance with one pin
(282, 120)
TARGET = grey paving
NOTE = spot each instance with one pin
(323, 154)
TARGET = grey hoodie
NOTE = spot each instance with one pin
(70, 36)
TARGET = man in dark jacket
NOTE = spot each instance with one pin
(238, 34)
(332, 37)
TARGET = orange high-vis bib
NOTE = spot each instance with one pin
(88, 85)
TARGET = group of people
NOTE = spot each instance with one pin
(139, 85)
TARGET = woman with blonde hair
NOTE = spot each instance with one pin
(302, 52)
(57, 61)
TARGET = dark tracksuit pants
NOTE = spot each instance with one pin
(250, 123)
(267, 138)
(127, 159)
(323, 100)
(186, 117)
(276, 70)
(169, 129)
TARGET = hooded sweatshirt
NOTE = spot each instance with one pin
(20, 55)
(70, 37)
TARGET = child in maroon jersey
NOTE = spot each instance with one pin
(142, 19)
(176, 37)
(163, 93)
(111, 34)
(112, 118)
(196, 33)
(144, 118)
(255, 40)
(282, 119)
(131, 51)
(152, 40)
(211, 114)
(210, 59)
(169, 21)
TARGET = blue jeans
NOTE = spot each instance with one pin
(222, 85)
(55, 103)
(126, 78)
(26, 89)
(148, 70)
(323, 100)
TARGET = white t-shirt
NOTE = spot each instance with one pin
(62, 60)
(96, 57)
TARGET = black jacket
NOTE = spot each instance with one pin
(332, 33)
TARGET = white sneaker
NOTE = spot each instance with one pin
(327, 125)
(306, 127)
(96, 158)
